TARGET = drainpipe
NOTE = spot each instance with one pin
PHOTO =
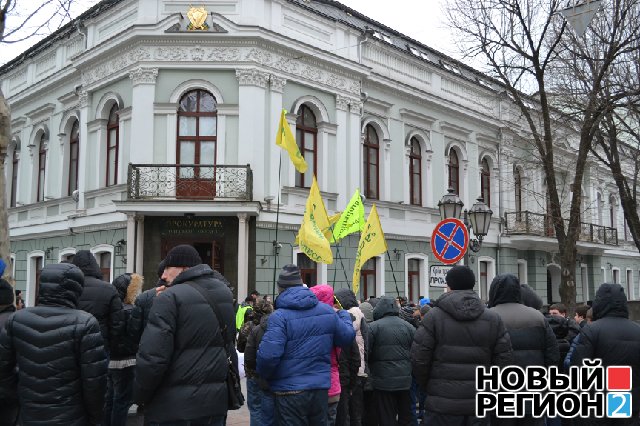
(368, 32)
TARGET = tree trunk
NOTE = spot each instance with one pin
(5, 135)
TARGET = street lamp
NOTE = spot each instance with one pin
(477, 218)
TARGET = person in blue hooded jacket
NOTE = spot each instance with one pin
(295, 352)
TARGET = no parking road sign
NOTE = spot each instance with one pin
(449, 241)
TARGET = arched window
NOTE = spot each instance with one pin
(600, 208)
(74, 143)
(517, 181)
(371, 156)
(307, 139)
(485, 181)
(196, 144)
(454, 170)
(42, 166)
(612, 212)
(113, 139)
(415, 172)
(14, 178)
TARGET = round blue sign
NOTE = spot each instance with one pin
(449, 241)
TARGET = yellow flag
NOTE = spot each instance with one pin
(286, 141)
(372, 243)
(327, 232)
(312, 241)
(351, 220)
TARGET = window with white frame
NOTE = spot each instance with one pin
(522, 271)
(584, 280)
(15, 164)
(41, 166)
(485, 181)
(616, 275)
(629, 285)
(371, 163)
(415, 172)
(104, 255)
(454, 171)
(416, 276)
(73, 158)
(613, 219)
(517, 185)
(307, 140)
(66, 254)
(312, 273)
(485, 273)
(35, 263)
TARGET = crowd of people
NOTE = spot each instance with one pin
(90, 349)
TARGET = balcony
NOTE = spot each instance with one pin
(539, 224)
(189, 182)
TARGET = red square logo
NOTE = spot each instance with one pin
(619, 378)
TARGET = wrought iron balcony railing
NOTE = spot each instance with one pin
(190, 182)
(529, 223)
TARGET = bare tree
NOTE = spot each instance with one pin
(615, 37)
(521, 41)
(21, 20)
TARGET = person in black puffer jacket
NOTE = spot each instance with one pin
(181, 367)
(532, 340)
(259, 400)
(560, 327)
(123, 357)
(8, 406)
(142, 306)
(457, 335)
(390, 341)
(59, 348)
(615, 340)
(100, 298)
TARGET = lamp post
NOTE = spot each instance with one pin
(478, 218)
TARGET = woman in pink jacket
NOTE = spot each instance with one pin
(324, 293)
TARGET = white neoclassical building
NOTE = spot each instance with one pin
(133, 133)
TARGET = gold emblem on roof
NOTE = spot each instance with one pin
(197, 18)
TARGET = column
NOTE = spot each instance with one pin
(243, 256)
(83, 147)
(354, 147)
(252, 128)
(342, 143)
(131, 239)
(142, 109)
(406, 184)
(275, 108)
(139, 245)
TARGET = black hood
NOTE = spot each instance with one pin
(559, 325)
(346, 298)
(87, 264)
(121, 283)
(202, 270)
(60, 285)
(530, 298)
(505, 288)
(610, 301)
(463, 305)
(386, 306)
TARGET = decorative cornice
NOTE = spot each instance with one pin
(18, 122)
(125, 114)
(252, 77)
(41, 113)
(327, 127)
(141, 75)
(277, 83)
(247, 53)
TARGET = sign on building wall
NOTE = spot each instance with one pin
(437, 275)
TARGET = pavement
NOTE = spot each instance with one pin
(234, 418)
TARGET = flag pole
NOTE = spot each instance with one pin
(393, 273)
(275, 242)
(335, 270)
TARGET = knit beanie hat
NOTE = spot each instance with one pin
(6, 293)
(182, 255)
(460, 278)
(289, 277)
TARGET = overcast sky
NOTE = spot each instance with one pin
(418, 19)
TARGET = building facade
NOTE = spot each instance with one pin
(134, 132)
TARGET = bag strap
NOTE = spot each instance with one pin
(216, 311)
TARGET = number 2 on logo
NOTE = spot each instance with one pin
(621, 409)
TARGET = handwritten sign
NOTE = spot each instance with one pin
(437, 275)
